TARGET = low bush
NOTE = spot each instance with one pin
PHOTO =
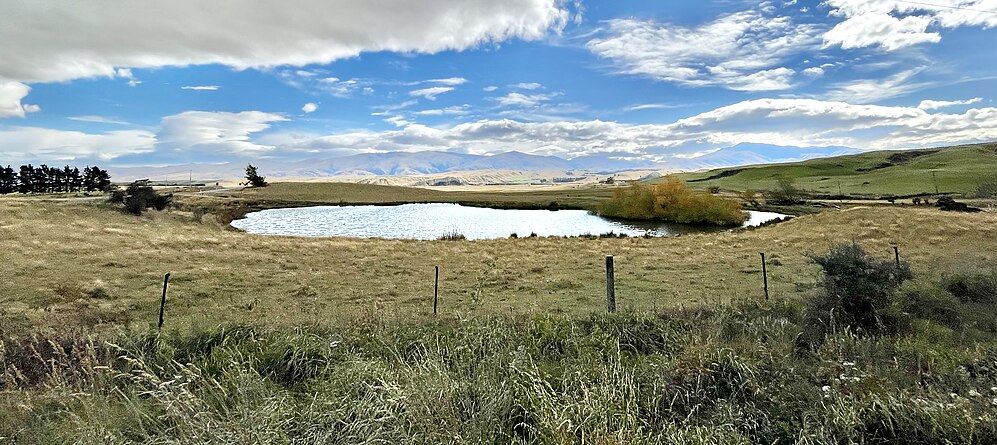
(140, 196)
(673, 201)
(856, 292)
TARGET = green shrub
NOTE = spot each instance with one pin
(675, 202)
(970, 288)
(856, 292)
(786, 193)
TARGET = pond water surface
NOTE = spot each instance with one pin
(430, 221)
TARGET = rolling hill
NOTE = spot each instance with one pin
(958, 169)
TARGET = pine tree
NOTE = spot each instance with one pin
(26, 179)
(75, 180)
(8, 180)
(253, 178)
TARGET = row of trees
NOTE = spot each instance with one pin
(45, 179)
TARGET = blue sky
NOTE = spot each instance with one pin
(176, 83)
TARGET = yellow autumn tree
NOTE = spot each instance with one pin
(673, 201)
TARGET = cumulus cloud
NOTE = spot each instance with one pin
(31, 144)
(489, 88)
(883, 30)
(895, 24)
(11, 93)
(430, 93)
(200, 87)
(929, 105)
(791, 122)
(309, 107)
(814, 71)
(740, 51)
(249, 34)
(215, 132)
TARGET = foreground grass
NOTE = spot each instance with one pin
(69, 264)
(883, 173)
(723, 374)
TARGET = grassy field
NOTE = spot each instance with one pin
(76, 264)
(332, 340)
(282, 194)
(883, 173)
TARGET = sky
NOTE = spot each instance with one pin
(163, 83)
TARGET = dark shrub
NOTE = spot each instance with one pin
(140, 196)
(856, 291)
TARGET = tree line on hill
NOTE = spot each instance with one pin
(45, 179)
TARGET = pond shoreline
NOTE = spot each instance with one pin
(428, 221)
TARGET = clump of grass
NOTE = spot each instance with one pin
(451, 235)
(673, 201)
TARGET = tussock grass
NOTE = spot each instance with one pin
(56, 255)
(715, 374)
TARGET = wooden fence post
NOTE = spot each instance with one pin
(610, 286)
(162, 303)
(436, 291)
(896, 254)
(765, 276)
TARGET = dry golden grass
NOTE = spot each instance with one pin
(70, 264)
(304, 193)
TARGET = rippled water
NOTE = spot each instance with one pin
(430, 221)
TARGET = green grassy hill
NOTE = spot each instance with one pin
(958, 169)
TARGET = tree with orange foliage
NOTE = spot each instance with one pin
(673, 201)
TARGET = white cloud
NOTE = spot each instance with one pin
(873, 90)
(454, 110)
(126, 73)
(651, 107)
(929, 105)
(430, 93)
(527, 86)
(98, 120)
(740, 51)
(309, 107)
(214, 132)
(11, 93)
(335, 86)
(895, 24)
(451, 81)
(32, 144)
(791, 122)
(814, 71)
(200, 87)
(489, 88)
(523, 100)
(249, 34)
(884, 30)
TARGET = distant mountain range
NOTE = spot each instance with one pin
(434, 162)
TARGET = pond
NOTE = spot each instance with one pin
(431, 221)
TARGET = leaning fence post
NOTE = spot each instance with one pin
(896, 254)
(436, 291)
(765, 276)
(162, 303)
(610, 286)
